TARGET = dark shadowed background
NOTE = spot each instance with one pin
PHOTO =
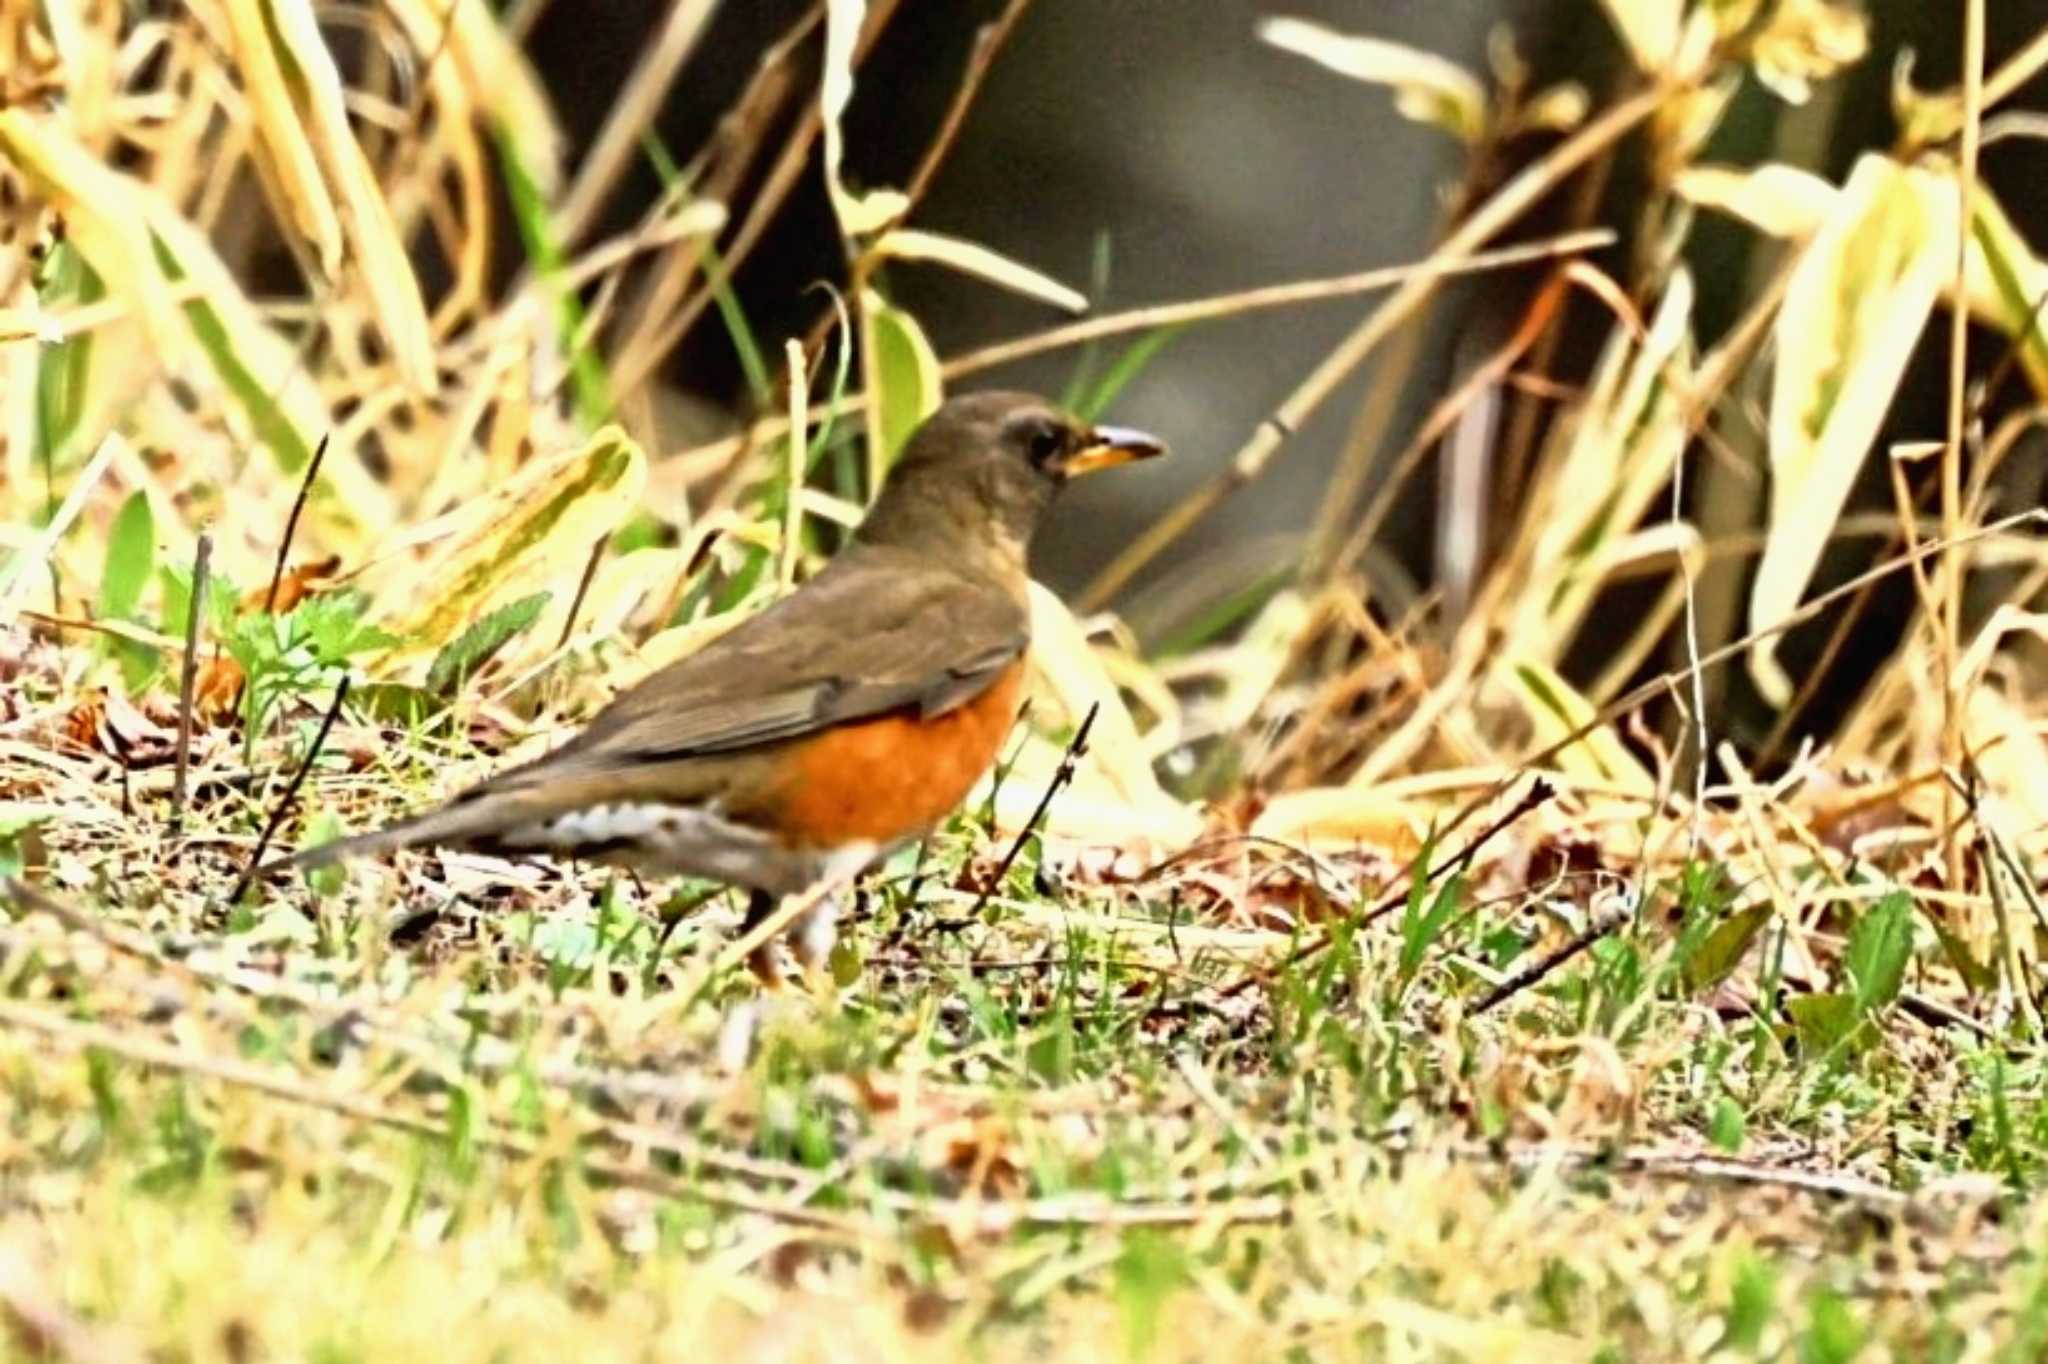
(1154, 150)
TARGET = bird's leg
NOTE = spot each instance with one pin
(761, 961)
(812, 942)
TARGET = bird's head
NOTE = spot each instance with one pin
(990, 464)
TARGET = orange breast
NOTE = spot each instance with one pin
(894, 776)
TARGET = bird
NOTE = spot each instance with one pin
(834, 726)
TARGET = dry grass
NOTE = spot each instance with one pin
(1387, 983)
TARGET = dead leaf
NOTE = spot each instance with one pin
(217, 688)
(293, 587)
(108, 722)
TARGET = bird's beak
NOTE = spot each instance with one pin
(1109, 446)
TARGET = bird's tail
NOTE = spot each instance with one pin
(467, 821)
(447, 824)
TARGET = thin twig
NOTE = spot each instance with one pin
(1267, 296)
(783, 177)
(725, 163)
(632, 112)
(281, 1083)
(1665, 683)
(582, 590)
(722, 452)
(1604, 923)
(1537, 322)
(1953, 563)
(1539, 792)
(1062, 776)
(291, 793)
(1505, 206)
(988, 41)
(202, 563)
(291, 524)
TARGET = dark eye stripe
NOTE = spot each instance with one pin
(1045, 442)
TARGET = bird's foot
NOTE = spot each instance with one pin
(811, 941)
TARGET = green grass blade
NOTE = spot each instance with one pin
(587, 377)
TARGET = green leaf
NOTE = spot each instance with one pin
(396, 703)
(1088, 400)
(333, 625)
(476, 646)
(131, 555)
(174, 597)
(1421, 928)
(530, 213)
(1728, 1127)
(903, 379)
(1879, 947)
(1723, 949)
(1977, 975)
(64, 367)
(1832, 1335)
(1750, 1302)
(17, 833)
(738, 587)
(131, 558)
(327, 880)
(1151, 1270)
(642, 531)
(1823, 1022)
(287, 446)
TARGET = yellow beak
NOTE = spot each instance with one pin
(1109, 446)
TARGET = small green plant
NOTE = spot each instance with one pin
(1149, 1272)
(131, 557)
(469, 651)
(1425, 916)
(1833, 1335)
(1751, 1304)
(1875, 961)
(301, 653)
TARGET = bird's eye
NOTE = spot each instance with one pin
(1045, 442)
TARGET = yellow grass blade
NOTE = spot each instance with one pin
(1555, 710)
(1344, 818)
(1623, 444)
(906, 243)
(1427, 88)
(496, 74)
(2005, 278)
(860, 215)
(198, 323)
(96, 204)
(622, 585)
(1858, 300)
(380, 256)
(1649, 29)
(1115, 790)
(286, 161)
(1781, 200)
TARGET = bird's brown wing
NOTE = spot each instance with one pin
(874, 633)
(867, 636)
